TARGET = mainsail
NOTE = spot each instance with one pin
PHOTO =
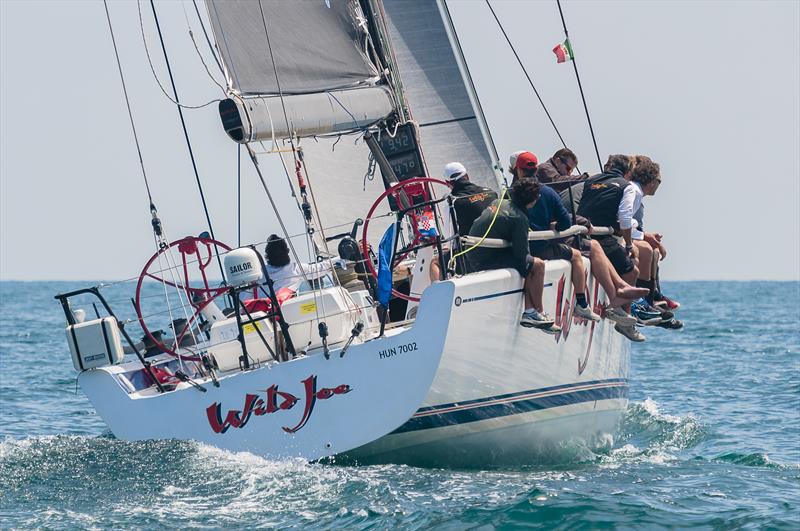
(325, 63)
(305, 59)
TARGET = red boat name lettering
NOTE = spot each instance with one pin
(273, 401)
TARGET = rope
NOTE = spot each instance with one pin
(452, 261)
(128, 105)
(525, 71)
(580, 87)
(152, 68)
(185, 131)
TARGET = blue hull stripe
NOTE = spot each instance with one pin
(499, 294)
(427, 418)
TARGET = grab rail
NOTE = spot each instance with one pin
(539, 235)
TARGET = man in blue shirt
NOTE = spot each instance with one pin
(549, 210)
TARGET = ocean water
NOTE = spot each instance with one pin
(711, 439)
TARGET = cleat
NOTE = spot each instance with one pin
(534, 319)
(672, 324)
(585, 312)
(644, 314)
(619, 316)
(630, 332)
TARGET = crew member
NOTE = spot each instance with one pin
(558, 167)
(507, 219)
(607, 201)
(646, 179)
(549, 211)
(469, 199)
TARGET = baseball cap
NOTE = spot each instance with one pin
(454, 171)
(512, 160)
(526, 161)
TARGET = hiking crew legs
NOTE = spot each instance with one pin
(534, 286)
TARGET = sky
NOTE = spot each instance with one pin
(710, 90)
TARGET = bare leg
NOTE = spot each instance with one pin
(534, 286)
(578, 272)
(654, 268)
(435, 274)
(619, 292)
(645, 259)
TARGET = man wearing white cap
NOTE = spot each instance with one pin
(469, 199)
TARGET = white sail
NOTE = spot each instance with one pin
(296, 68)
(439, 99)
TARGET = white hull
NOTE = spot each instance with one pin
(309, 407)
(505, 394)
(478, 389)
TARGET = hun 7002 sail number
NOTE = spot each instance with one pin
(400, 349)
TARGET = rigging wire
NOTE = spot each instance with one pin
(197, 49)
(238, 195)
(277, 81)
(306, 219)
(525, 71)
(185, 132)
(208, 41)
(153, 70)
(128, 105)
(580, 87)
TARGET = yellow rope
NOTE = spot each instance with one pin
(485, 235)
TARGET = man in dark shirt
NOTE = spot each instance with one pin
(469, 199)
(506, 219)
(558, 167)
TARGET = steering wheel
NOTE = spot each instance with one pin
(399, 193)
(196, 252)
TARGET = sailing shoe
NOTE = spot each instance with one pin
(643, 314)
(552, 329)
(533, 319)
(672, 324)
(630, 332)
(619, 316)
(668, 304)
(585, 312)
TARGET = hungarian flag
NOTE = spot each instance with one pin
(564, 52)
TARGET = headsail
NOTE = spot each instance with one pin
(436, 92)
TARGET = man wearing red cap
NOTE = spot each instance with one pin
(526, 163)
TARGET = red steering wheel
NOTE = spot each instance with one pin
(399, 192)
(195, 252)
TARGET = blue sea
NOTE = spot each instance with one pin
(711, 439)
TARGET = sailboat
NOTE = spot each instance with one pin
(441, 373)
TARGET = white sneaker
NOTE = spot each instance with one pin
(619, 316)
(533, 319)
(585, 312)
(630, 332)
